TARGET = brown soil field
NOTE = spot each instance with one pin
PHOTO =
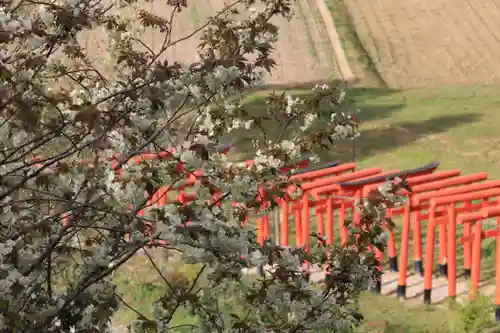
(303, 52)
(430, 42)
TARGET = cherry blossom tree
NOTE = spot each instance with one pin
(72, 189)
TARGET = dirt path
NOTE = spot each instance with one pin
(338, 50)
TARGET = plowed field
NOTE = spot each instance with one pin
(430, 42)
(303, 52)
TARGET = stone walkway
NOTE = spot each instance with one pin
(414, 287)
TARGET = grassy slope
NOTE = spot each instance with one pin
(456, 125)
(361, 64)
(403, 129)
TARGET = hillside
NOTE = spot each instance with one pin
(419, 43)
(303, 52)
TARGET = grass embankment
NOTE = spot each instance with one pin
(363, 67)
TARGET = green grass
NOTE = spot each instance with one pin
(387, 315)
(382, 314)
(404, 129)
(455, 125)
(140, 285)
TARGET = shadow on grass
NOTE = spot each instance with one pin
(374, 106)
(380, 140)
(357, 98)
(354, 86)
